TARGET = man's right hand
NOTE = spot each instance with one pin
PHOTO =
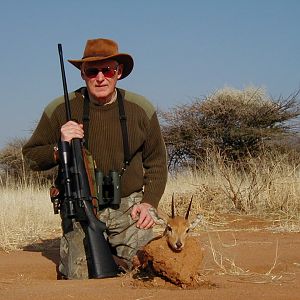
(71, 130)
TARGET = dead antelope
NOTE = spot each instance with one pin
(177, 227)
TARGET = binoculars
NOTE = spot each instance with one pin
(108, 189)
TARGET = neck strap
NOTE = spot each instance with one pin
(86, 116)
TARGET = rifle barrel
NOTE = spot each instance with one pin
(63, 75)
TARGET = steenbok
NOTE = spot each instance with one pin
(176, 227)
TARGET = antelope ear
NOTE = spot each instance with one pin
(198, 219)
(156, 218)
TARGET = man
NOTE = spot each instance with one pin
(142, 183)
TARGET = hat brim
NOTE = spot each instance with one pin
(122, 58)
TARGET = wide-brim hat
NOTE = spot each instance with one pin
(103, 49)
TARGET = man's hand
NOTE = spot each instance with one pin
(141, 211)
(71, 130)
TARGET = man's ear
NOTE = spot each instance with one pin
(81, 71)
(120, 71)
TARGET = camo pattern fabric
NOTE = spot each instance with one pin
(73, 261)
(122, 234)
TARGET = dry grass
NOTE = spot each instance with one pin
(264, 187)
(26, 216)
(268, 188)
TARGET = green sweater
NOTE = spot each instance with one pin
(148, 168)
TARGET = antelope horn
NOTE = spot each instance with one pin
(173, 207)
(188, 210)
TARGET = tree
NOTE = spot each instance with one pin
(236, 122)
(13, 166)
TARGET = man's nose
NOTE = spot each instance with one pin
(100, 76)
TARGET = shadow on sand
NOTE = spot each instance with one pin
(49, 248)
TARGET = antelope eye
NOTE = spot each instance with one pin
(169, 228)
(187, 230)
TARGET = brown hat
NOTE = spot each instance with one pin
(102, 49)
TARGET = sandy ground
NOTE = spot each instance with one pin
(243, 259)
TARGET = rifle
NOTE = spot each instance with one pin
(78, 199)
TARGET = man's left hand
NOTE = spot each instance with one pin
(141, 211)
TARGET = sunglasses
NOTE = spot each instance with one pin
(108, 72)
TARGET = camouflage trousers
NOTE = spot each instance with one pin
(122, 234)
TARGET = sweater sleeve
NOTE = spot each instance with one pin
(154, 163)
(38, 151)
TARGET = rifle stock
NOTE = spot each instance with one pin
(78, 198)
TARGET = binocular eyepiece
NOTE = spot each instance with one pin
(108, 189)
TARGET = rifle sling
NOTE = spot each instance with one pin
(123, 123)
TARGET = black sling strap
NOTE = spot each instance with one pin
(123, 122)
(86, 116)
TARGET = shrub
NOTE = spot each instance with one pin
(236, 123)
(13, 167)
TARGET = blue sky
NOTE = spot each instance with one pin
(182, 49)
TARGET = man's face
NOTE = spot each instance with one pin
(101, 78)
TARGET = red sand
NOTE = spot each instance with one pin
(237, 264)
